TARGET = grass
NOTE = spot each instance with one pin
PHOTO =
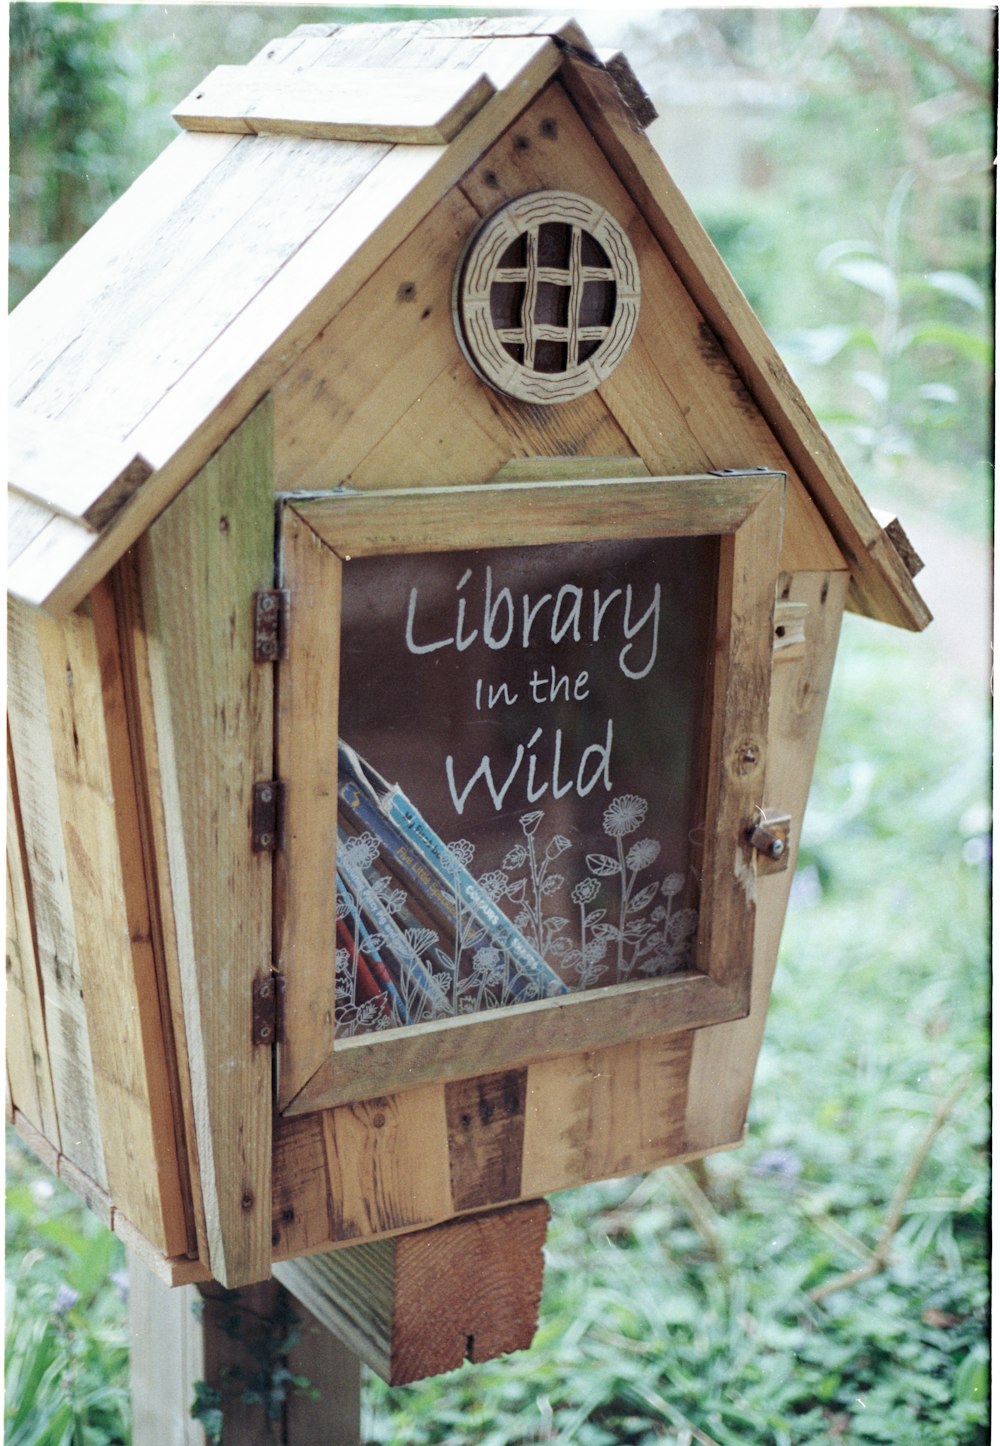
(691, 1305)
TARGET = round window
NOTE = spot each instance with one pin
(547, 297)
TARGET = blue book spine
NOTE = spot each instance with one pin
(372, 952)
(430, 994)
(524, 956)
(427, 859)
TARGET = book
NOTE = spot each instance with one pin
(436, 873)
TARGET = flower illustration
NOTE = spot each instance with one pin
(360, 851)
(487, 965)
(673, 884)
(586, 891)
(557, 844)
(642, 854)
(462, 851)
(624, 815)
(530, 822)
(494, 884)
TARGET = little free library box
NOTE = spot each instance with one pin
(425, 581)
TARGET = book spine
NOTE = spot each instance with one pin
(426, 842)
(431, 995)
(368, 949)
(385, 809)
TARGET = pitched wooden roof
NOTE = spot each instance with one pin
(165, 325)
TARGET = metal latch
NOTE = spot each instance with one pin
(270, 625)
(770, 835)
(268, 1008)
(267, 815)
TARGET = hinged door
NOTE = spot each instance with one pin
(523, 732)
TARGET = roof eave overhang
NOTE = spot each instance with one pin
(69, 554)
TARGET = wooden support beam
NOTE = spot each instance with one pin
(419, 1304)
(209, 1335)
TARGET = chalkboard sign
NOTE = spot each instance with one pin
(523, 729)
(541, 708)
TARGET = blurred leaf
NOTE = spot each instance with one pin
(957, 284)
(874, 276)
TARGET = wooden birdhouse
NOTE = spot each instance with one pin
(425, 580)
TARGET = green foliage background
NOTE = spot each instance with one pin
(694, 1304)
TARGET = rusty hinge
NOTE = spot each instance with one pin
(267, 815)
(270, 625)
(268, 1008)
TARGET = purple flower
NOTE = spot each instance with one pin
(66, 1299)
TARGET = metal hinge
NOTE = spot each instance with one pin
(270, 625)
(267, 815)
(268, 1008)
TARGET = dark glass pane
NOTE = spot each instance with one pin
(542, 710)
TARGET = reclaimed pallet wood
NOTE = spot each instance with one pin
(881, 585)
(45, 850)
(192, 1331)
(427, 1302)
(799, 693)
(386, 416)
(306, 931)
(201, 563)
(88, 478)
(484, 1141)
(605, 1113)
(413, 108)
(97, 797)
(29, 1075)
(748, 510)
(137, 682)
(704, 417)
(91, 269)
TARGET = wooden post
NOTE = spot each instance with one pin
(207, 1334)
(419, 1304)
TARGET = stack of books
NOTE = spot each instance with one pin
(418, 938)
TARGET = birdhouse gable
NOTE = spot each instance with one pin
(303, 237)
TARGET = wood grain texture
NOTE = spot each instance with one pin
(137, 683)
(305, 897)
(201, 564)
(88, 478)
(501, 1038)
(605, 1113)
(29, 1075)
(428, 1301)
(341, 1176)
(408, 108)
(178, 1337)
(98, 807)
(747, 511)
(703, 417)
(486, 1137)
(217, 350)
(716, 1116)
(45, 853)
(881, 586)
(387, 1164)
